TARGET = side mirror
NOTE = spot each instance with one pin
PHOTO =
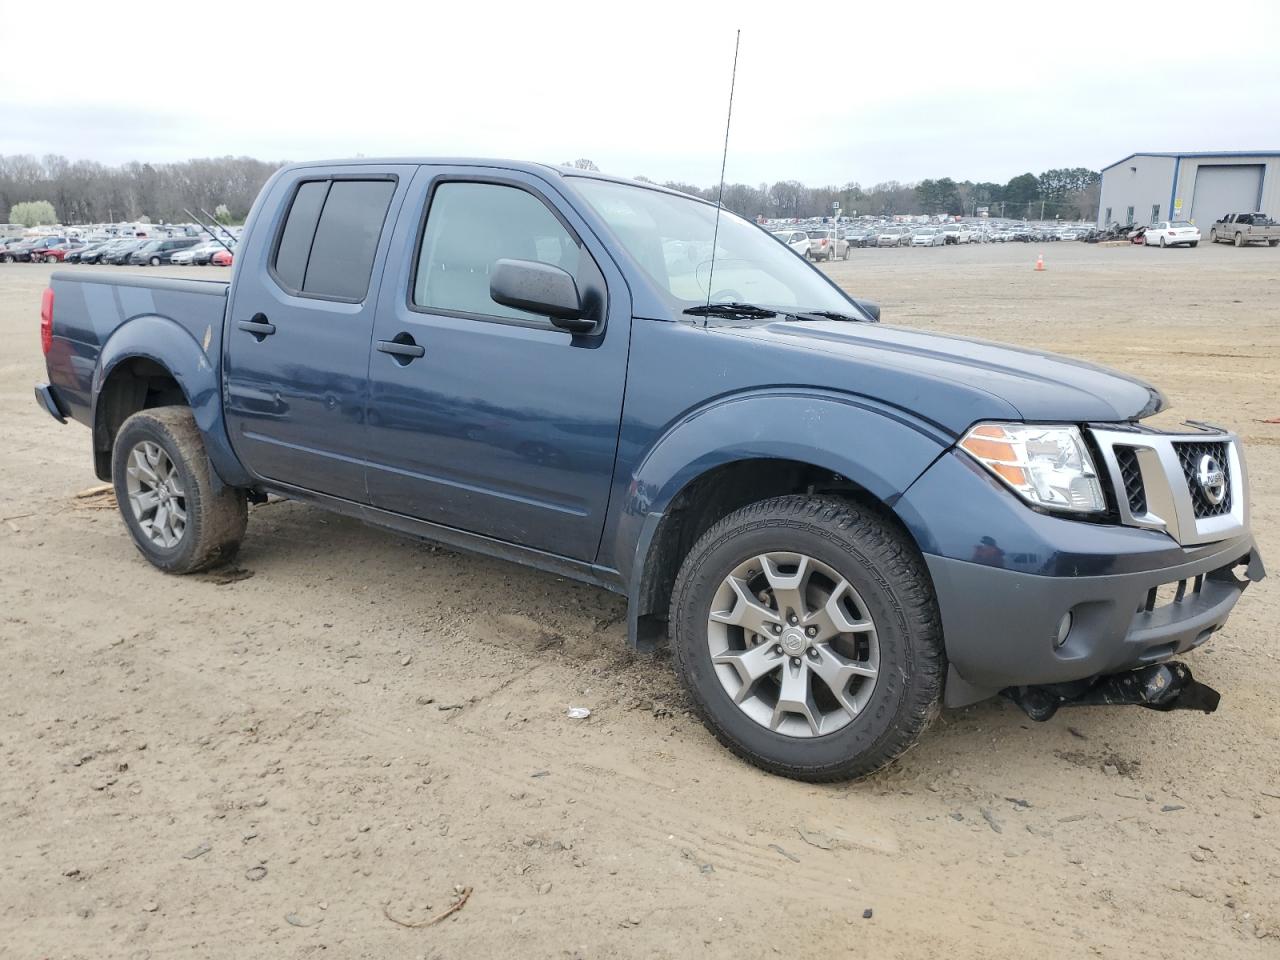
(870, 308)
(539, 288)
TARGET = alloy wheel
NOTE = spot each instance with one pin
(156, 494)
(793, 644)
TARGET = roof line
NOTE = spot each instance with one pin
(1192, 154)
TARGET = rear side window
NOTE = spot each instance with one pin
(330, 237)
(299, 228)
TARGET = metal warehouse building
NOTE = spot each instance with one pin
(1201, 187)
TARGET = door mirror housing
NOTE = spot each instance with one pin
(539, 288)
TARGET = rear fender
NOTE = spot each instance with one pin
(165, 342)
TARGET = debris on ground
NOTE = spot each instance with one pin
(462, 895)
(786, 853)
(577, 713)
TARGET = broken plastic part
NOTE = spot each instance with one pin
(1159, 686)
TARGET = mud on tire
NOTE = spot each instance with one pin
(214, 515)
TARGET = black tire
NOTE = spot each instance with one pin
(1194, 243)
(1270, 243)
(216, 514)
(867, 549)
(154, 261)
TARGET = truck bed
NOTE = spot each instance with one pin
(91, 304)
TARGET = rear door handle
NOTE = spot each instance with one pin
(258, 326)
(402, 348)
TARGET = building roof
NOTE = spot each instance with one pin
(1202, 153)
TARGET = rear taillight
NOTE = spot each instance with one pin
(46, 320)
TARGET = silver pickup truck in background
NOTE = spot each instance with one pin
(1245, 228)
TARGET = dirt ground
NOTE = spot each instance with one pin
(304, 756)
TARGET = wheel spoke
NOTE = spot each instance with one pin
(751, 664)
(832, 619)
(144, 501)
(747, 612)
(836, 671)
(788, 588)
(140, 468)
(795, 697)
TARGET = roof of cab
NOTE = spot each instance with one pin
(524, 166)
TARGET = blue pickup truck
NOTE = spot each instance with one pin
(839, 526)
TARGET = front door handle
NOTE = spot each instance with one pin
(258, 326)
(402, 348)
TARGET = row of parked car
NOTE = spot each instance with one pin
(824, 242)
(120, 251)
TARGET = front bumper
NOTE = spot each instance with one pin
(1002, 626)
(1005, 575)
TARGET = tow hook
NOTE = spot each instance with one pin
(1160, 686)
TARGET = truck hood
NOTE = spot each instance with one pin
(954, 381)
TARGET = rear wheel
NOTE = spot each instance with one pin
(806, 631)
(1239, 239)
(180, 516)
(1194, 243)
(154, 261)
(1273, 243)
(1162, 243)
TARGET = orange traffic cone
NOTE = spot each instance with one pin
(1040, 262)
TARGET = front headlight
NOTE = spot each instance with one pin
(1048, 466)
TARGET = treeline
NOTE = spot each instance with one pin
(83, 191)
(87, 192)
(1069, 193)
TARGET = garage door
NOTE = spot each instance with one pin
(1234, 188)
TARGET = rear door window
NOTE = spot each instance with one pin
(294, 246)
(346, 239)
(330, 237)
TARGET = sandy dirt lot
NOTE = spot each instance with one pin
(354, 727)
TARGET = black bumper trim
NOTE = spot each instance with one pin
(48, 399)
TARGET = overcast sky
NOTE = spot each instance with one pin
(826, 93)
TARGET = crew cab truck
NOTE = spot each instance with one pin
(840, 526)
(1243, 229)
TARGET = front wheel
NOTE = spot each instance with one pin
(806, 631)
(181, 518)
(1213, 236)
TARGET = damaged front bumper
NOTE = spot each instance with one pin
(1160, 686)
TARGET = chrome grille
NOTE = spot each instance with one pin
(1155, 483)
(1189, 456)
(1131, 477)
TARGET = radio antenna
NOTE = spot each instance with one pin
(724, 159)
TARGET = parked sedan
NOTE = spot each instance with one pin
(156, 252)
(893, 236)
(222, 258)
(120, 255)
(928, 237)
(57, 252)
(1173, 233)
(22, 251)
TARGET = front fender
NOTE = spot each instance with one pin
(879, 448)
(167, 343)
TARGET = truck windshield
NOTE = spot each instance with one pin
(670, 238)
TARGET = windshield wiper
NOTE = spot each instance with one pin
(733, 308)
(827, 315)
